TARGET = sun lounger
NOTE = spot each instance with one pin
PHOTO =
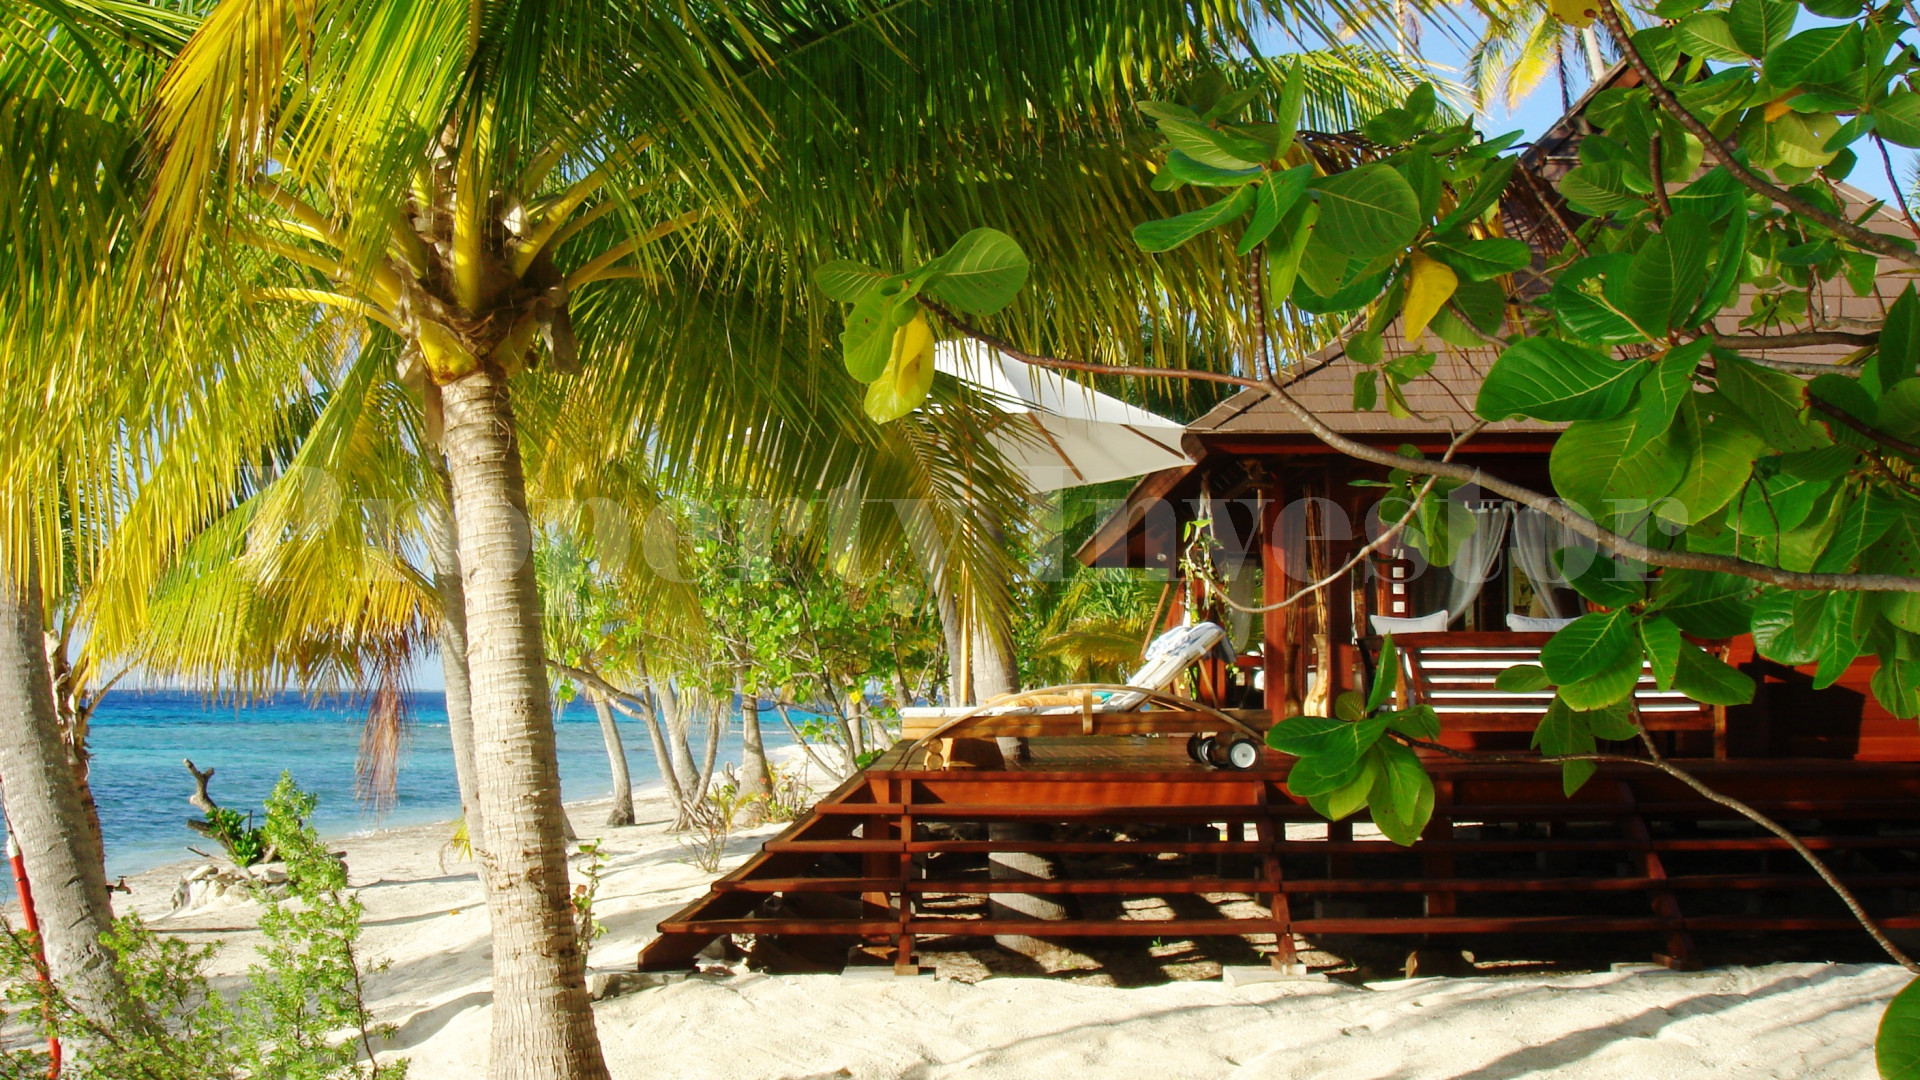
(1098, 710)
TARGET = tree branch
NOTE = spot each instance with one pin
(1801, 340)
(1857, 235)
(1848, 420)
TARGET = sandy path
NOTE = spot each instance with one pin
(428, 924)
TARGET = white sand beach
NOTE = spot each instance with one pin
(429, 926)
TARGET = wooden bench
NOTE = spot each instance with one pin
(1454, 672)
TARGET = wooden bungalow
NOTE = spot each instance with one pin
(1152, 843)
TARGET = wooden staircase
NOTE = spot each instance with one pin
(897, 855)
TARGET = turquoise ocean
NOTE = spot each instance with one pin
(140, 737)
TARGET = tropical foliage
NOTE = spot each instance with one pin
(1737, 487)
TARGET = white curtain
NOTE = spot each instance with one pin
(1535, 538)
(1474, 561)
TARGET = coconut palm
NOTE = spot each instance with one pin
(1523, 43)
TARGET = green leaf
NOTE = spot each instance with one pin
(1293, 99)
(1704, 603)
(1322, 776)
(1180, 169)
(1335, 744)
(1579, 300)
(1169, 233)
(1608, 686)
(1168, 110)
(1668, 382)
(1898, 552)
(1367, 211)
(1776, 504)
(1210, 146)
(867, 339)
(1899, 346)
(1344, 800)
(980, 274)
(1591, 645)
(1897, 118)
(1590, 465)
(1730, 266)
(1599, 188)
(1661, 636)
(1277, 196)
(1310, 736)
(1784, 625)
(1896, 685)
(847, 281)
(1615, 722)
(1416, 721)
(1562, 732)
(1666, 275)
(1366, 389)
(1522, 679)
(1826, 54)
(1709, 680)
(1480, 198)
(1602, 581)
(1283, 259)
(1402, 799)
(1479, 260)
(1861, 523)
(1706, 34)
(1759, 25)
(1386, 674)
(1547, 379)
(1721, 450)
(1775, 401)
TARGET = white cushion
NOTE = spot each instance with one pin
(1419, 624)
(1528, 624)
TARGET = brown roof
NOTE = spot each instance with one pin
(1442, 401)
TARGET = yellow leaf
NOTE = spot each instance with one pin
(1778, 107)
(1575, 13)
(909, 375)
(1429, 286)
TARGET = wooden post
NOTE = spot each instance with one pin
(903, 959)
(1440, 866)
(1270, 832)
(1282, 694)
(1680, 954)
(875, 906)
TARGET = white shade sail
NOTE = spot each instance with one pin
(1062, 434)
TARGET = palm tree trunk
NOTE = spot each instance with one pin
(994, 674)
(679, 726)
(756, 778)
(652, 723)
(621, 813)
(45, 812)
(443, 548)
(543, 1026)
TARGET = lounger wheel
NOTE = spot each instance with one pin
(1243, 754)
(1203, 749)
(1193, 748)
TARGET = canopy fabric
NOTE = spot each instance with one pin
(1062, 434)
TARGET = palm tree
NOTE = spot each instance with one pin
(1523, 42)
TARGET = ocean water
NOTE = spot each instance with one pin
(139, 739)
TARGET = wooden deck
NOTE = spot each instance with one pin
(897, 854)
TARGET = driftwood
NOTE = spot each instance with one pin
(200, 800)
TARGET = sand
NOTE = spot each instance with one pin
(427, 922)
